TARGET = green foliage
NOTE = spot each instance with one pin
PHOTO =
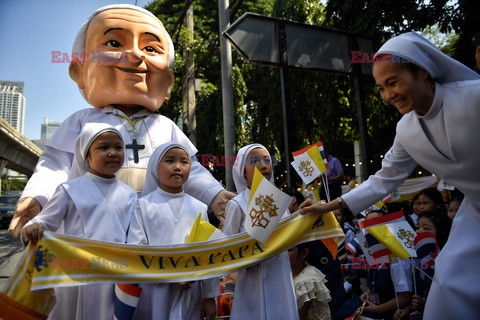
(323, 105)
(11, 184)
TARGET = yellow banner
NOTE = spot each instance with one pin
(63, 260)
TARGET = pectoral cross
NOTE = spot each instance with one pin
(135, 147)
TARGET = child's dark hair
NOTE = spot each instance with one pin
(347, 214)
(380, 212)
(415, 198)
(294, 193)
(436, 197)
(442, 223)
(457, 195)
(302, 246)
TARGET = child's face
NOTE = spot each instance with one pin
(426, 204)
(294, 256)
(424, 224)
(453, 208)
(297, 258)
(173, 170)
(258, 157)
(416, 206)
(338, 215)
(126, 61)
(105, 155)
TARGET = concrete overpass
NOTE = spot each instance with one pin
(16, 151)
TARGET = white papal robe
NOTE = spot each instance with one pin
(94, 208)
(55, 164)
(163, 218)
(264, 291)
(445, 141)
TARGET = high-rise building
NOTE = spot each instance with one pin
(48, 128)
(12, 103)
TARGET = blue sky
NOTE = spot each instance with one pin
(29, 31)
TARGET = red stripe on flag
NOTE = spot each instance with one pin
(423, 235)
(382, 219)
(130, 289)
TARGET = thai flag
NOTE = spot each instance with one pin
(377, 249)
(427, 249)
(353, 247)
(322, 152)
(125, 301)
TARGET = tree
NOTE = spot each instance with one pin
(323, 104)
(205, 46)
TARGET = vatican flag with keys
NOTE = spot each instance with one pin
(266, 206)
(309, 162)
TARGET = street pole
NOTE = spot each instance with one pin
(286, 105)
(189, 101)
(227, 91)
(361, 113)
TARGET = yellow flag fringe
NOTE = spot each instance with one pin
(63, 260)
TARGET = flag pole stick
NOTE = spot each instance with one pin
(394, 288)
(413, 274)
(325, 186)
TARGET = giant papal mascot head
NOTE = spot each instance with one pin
(125, 59)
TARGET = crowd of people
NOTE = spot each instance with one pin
(122, 173)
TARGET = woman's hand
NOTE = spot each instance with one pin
(26, 209)
(309, 206)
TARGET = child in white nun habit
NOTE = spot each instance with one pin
(94, 206)
(264, 291)
(165, 215)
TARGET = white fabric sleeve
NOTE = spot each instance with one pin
(401, 277)
(52, 169)
(201, 184)
(53, 212)
(397, 166)
(234, 218)
(210, 287)
(136, 231)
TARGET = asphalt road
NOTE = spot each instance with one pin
(11, 251)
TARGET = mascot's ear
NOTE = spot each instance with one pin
(75, 71)
(170, 85)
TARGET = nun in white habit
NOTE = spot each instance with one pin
(264, 291)
(166, 218)
(90, 207)
(441, 136)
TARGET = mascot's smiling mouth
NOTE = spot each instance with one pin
(132, 70)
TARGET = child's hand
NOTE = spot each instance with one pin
(417, 302)
(364, 296)
(400, 314)
(371, 307)
(33, 233)
(209, 308)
